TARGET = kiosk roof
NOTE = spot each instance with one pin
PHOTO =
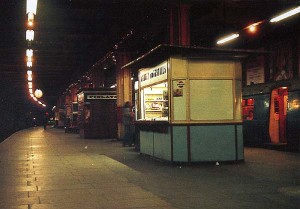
(164, 51)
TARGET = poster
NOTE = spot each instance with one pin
(255, 71)
(281, 63)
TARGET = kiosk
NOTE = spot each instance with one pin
(97, 113)
(189, 104)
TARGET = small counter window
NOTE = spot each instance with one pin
(155, 103)
(153, 93)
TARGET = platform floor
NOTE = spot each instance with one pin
(49, 169)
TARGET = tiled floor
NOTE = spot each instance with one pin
(51, 170)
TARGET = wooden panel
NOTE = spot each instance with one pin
(211, 99)
(178, 68)
(208, 69)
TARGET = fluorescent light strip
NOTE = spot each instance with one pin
(29, 53)
(228, 38)
(286, 15)
(29, 35)
(29, 64)
(31, 6)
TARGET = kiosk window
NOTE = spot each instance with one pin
(155, 102)
(248, 109)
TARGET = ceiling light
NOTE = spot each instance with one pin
(29, 64)
(29, 53)
(38, 93)
(29, 35)
(253, 27)
(31, 6)
(29, 77)
(228, 38)
(29, 72)
(30, 18)
(285, 15)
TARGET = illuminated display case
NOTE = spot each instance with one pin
(153, 92)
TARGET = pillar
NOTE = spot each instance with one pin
(124, 86)
(180, 25)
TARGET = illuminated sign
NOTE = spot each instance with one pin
(101, 96)
(153, 75)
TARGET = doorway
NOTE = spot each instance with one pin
(278, 113)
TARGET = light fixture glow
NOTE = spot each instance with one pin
(29, 53)
(286, 15)
(295, 104)
(30, 23)
(30, 91)
(29, 77)
(253, 27)
(29, 35)
(34, 98)
(30, 85)
(29, 58)
(29, 64)
(29, 72)
(30, 18)
(38, 93)
(228, 38)
(31, 95)
(31, 6)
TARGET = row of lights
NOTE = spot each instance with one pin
(31, 12)
(253, 27)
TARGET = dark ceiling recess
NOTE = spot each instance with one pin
(72, 35)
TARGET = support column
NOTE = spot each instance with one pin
(124, 86)
(180, 25)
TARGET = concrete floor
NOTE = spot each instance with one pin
(50, 169)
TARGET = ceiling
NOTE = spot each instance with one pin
(72, 35)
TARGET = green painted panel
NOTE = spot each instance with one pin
(240, 142)
(146, 142)
(212, 143)
(162, 145)
(180, 150)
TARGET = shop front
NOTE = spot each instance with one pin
(189, 107)
(97, 113)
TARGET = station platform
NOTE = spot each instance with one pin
(51, 169)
